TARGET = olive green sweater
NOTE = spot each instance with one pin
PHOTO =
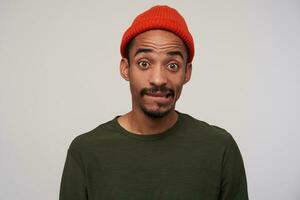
(191, 160)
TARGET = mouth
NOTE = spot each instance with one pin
(160, 97)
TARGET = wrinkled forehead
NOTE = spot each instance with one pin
(159, 41)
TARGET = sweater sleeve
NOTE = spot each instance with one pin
(73, 184)
(234, 183)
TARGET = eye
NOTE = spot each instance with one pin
(173, 66)
(143, 64)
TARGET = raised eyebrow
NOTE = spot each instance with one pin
(175, 53)
(143, 50)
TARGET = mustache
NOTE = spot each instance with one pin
(163, 89)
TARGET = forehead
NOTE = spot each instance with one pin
(160, 41)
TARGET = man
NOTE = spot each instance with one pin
(155, 151)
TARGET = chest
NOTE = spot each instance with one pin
(184, 170)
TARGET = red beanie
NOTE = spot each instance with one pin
(159, 17)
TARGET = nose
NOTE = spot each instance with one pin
(158, 76)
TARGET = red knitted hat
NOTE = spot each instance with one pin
(159, 17)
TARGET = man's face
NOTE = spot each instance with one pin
(157, 70)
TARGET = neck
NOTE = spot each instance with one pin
(142, 124)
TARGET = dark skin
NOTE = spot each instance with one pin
(157, 69)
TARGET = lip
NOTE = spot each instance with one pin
(159, 98)
(157, 94)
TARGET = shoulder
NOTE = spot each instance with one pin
(206, 130)
(91, 138)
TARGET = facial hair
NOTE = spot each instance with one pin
(157, 113)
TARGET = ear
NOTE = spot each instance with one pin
(124, 68)
(188, 72)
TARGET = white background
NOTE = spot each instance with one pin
(59, 77)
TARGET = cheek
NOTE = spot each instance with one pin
(133, 89)
(178, 88)
(135, 86)
(138, 79)
(178, 92)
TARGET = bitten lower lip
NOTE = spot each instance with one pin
(160, 99)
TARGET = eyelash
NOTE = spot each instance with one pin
(177, 66)
(148, 64)
(143, 61)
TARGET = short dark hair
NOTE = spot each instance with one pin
(127, 49)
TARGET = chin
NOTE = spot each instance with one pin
(157, 113)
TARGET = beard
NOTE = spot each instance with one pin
(156, 113)
(159, 112)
